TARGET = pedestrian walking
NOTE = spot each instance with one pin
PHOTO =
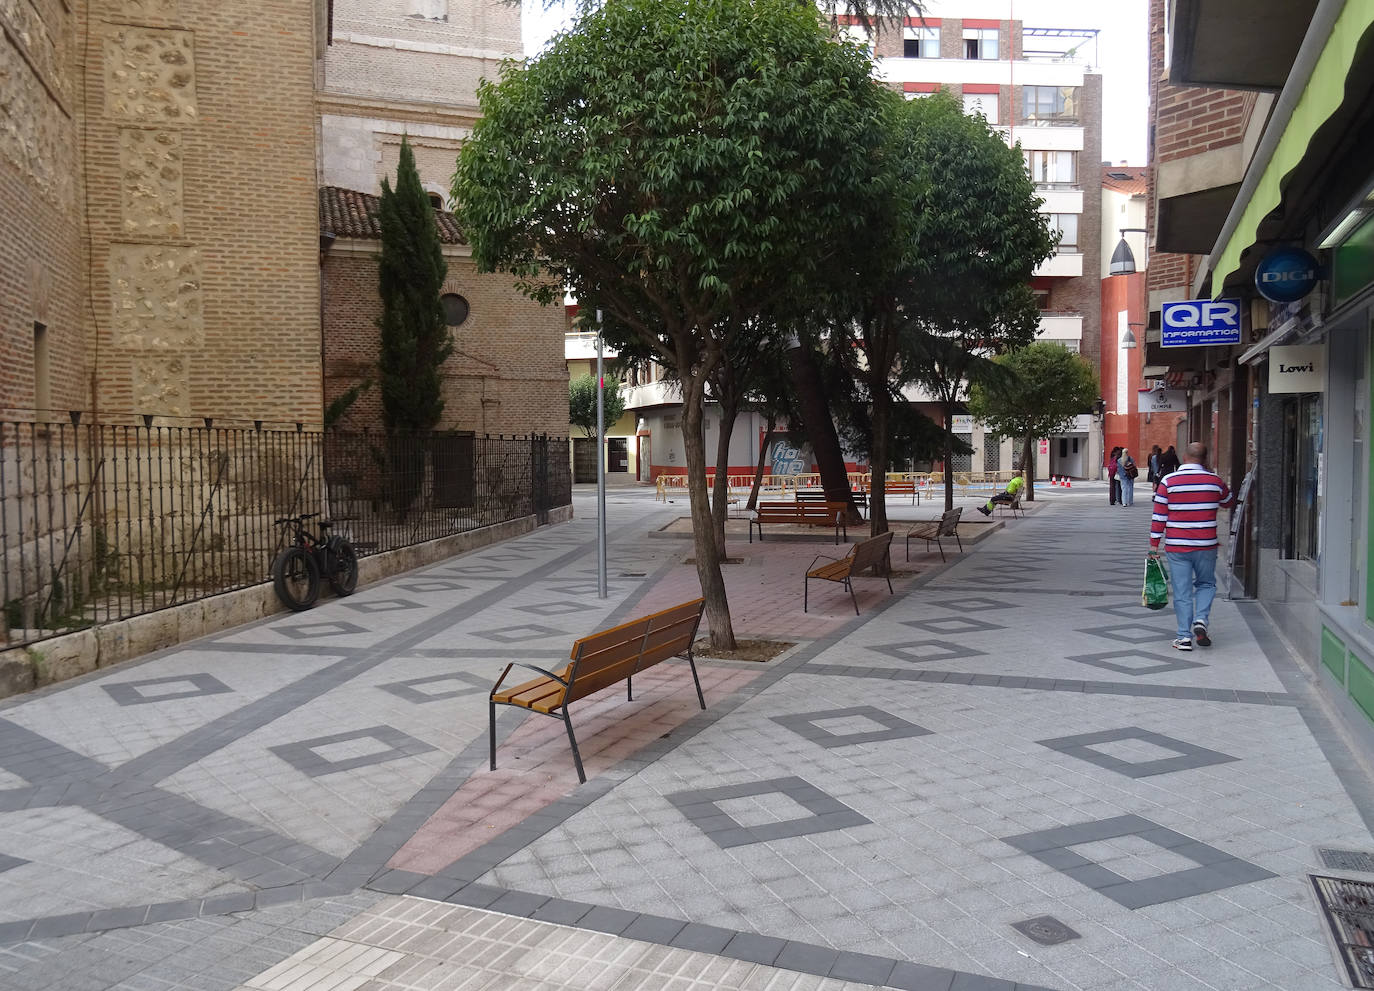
(1127, 472)
(1152, 474)
(1185, 518)
(1168, 462)
(1113, 483)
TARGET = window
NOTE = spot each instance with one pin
(1051, 166)
(981, 103)
(980, 43)
(455, 309)
(1067, 226)
(1050, 103)
(42, 371)
(436, 201)
(921, 42)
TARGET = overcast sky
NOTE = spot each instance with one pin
(1123, 47)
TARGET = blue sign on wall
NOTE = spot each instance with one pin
(1286, 275)
(1200, 322)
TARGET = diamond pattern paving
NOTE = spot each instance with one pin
(383, 743)
(1121, 662)
(1088, 747)
(165, 690)
(1215, 868)
(704, 809)
(808, 726)
(952, 624)
(419, 690)
(519, 634)
(312, 631)
(921, 651)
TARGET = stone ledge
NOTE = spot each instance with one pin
(47, 662)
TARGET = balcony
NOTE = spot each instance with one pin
(1066, 263)
(650, 395)
(1060, 197)
(1060, 325)
(985, 71)
(1037, 135)
(582, 346)
(1236, 44)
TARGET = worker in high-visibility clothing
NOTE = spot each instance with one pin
(1008, 495)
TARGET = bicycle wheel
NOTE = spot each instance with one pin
(343, 566)
(296, 578)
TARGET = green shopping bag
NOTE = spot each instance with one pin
(1154, 594)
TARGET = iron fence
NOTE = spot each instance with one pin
(100, 522)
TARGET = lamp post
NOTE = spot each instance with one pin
(1123, 259)
(601, 591)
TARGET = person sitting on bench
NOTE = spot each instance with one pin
(1008, 496)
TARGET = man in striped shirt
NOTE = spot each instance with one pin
(1185, 516)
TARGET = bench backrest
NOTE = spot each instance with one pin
(809, 512)
(949, 522)
(870, 553)
(604, 658)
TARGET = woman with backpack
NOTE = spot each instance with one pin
(1127, 473)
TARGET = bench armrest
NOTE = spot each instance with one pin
(532, 667)
(827, 557)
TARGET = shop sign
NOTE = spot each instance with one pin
(1286, 275)
(962, 423)
(1162, 400)
(1297, 368)
(1044, 447)
(1199, 323)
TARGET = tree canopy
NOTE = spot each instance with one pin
(685, 166)
(582, 403)
(1047, 387)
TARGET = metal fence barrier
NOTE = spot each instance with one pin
(100, 522)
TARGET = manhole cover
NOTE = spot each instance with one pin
(1349, 910)
(1046, 930)
(1347, 860)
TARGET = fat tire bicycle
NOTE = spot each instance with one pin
(297, 570)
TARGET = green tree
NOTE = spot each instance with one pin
(582, 403)
(684, 166)
(410, 276)
(978, 236)
(1047, 387)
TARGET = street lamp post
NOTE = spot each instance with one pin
(601, 591)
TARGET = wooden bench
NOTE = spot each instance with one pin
(601, 660)
(932, 530)
(904, 487)
(800, 514)
(860, 497)
(862, 556)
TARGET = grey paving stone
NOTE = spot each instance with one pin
(60, 925)
(15, 932)
(862, 968)
(395, 882)
(918, 977)
(117, 918)
(521, 903)
(607, 920)
(437, 888)
(562, 911)
(974, 982)
(653, 929)
(241, 901)
(806, 958)
(702, 938)
(754, 948)
(476, 895)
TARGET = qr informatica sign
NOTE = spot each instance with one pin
(1199, 323)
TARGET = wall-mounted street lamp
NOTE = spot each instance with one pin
(1123, 259)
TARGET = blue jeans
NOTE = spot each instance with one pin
(1193, 575)
(1127, 490)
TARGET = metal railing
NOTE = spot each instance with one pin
(101, 522)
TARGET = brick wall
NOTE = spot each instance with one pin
(40, 215)
(506, 375)
(201, 204)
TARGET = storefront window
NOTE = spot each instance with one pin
(1302, 442)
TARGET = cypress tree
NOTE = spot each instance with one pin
(414, 337)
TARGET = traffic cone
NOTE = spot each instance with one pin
(1054, 480)
(1067, 484)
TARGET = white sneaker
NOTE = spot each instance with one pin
(1183, 643)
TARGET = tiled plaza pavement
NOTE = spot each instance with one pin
(1005, 749)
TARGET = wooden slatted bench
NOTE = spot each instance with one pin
(932, 530)
(862, 556)
(829, 514)
(860, 497)
(903, 487)
(601, 660)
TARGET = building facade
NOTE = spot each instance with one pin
(156, 236)
(1270, 205)
(409, 69)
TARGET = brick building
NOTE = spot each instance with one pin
(137, 276)
(1264, 131)
(410, 68)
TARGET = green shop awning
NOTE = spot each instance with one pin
(1321, 97)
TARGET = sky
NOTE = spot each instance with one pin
(1122, 58)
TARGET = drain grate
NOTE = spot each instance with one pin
(1046, 930)
(1349, 909)
(1347, 860)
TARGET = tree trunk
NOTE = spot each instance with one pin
(820, 429)
(763, 462)
(877, 486)
(720, 498)
(949, 456)
(1028, 469)
(703, 530)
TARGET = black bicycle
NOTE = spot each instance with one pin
(297, 570)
